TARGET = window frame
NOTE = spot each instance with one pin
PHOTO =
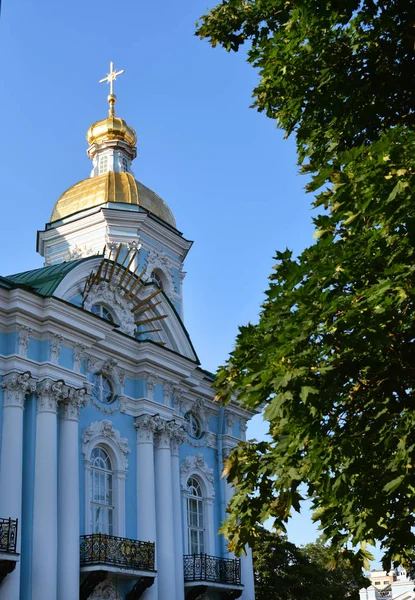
(208, 495)
(119, 470)
(103, 377)
(106, 475)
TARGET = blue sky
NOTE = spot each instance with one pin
(224, 169)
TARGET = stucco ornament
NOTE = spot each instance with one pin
(111, 295)
(105, 430)
(55, 349)
(23, 339)
(195, 465)
(16, 387)
(76, 252)
(49, 393)
(105, 591)
(72, 404)
(158, 260)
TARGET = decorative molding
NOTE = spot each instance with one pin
(168, 388)
(105, 591)
(23, 340)
(150, 386)
(230, 420)
(178, 437)
(111, 295)
(157, 259)
(134, 245)
(55, 349)
(146, 427)
(76, 252)
(16, 387)
(211, 440)
(78, 356)
(104, 429)
(195, 465)
(72, 404)
(49, 393)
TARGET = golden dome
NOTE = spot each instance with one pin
(111, 187)
(111, 128)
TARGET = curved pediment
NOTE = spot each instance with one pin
(137, 307)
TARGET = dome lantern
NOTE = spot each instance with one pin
(111, 141)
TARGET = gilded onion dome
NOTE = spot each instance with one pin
(111, 128)
(112, 148)
(111, 187)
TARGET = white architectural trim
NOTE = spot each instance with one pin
(102, 433)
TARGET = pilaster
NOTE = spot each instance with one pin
(16, 387)
(45, 517)
(68, 494)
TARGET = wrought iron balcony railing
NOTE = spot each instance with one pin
(103, 549)
(202, 567)
(8, 535)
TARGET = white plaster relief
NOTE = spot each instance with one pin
(104, 429)
(194, 464)
(72, 404)
(109, 294)
(23, 340)
(158, 260)
(146, 427)
(150, 385)
(49, 393)
(55, 349)
(16, 387)
(78, 356)
(168, 387)
(105, 591)
(76, 252)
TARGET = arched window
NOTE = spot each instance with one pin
(195, 517)
(194, 427)
(101, 311)
(101, 493)
(124, 164)
(103, 164)
(102, 390)
(155, 278)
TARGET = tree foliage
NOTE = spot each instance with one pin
(332, 357)
(285, 572)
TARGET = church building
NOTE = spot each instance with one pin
(111, 444)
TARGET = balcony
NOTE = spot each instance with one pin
(203, 572)
(101, 554)
(8, 546)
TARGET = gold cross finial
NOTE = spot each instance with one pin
(110, 78)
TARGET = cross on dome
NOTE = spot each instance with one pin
(110, 78)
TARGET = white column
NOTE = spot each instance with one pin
(45, 534)
(178, 437)
(16, 387)
(146, 498)
(68, 495)
(164, 513)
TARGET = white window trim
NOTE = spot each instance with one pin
(195, 466)
(101, 433)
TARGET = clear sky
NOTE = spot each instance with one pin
(224, 169)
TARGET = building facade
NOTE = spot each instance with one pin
(111, 443)
(392, 585)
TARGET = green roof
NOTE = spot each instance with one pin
(45, 280)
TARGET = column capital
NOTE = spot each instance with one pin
(164, 431)
(71, 404)
(146, 427)
(16, 387)
(49, 393)
(178, 436)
